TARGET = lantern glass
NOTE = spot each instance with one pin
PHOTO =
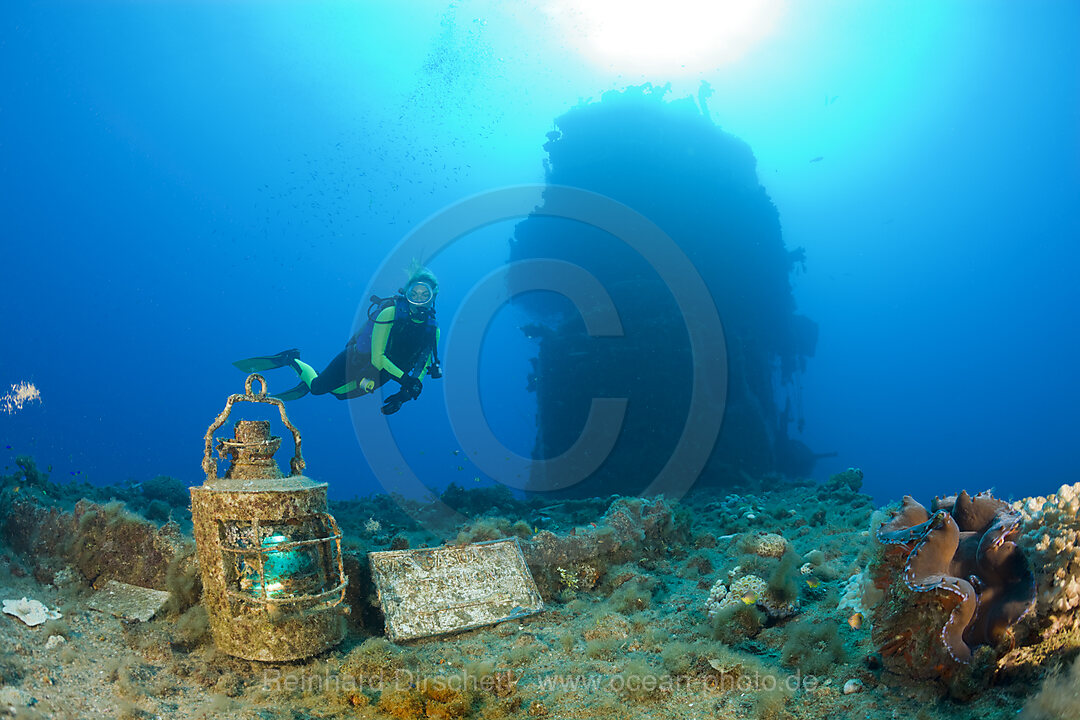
(285, 560)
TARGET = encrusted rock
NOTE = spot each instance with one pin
(610, 626)
(632, 528)
(102, 542)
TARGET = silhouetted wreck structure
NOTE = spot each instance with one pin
(671, 163)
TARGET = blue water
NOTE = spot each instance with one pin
(187, 184)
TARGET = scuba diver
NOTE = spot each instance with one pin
(398, 342)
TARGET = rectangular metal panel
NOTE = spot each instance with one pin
(435, 591)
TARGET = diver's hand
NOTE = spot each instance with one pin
(411, 386)
(393, 403)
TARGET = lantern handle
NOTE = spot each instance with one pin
(296, 465)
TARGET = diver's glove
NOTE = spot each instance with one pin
(435, 371)
(410, 386)
(410, 389)
(394, 402)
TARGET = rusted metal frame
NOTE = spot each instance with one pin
(281, 547)
(259, 565)
(319, 597)
(339, 590)
(340, 561)
(296, 464)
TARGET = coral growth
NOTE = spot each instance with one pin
(31, 612)
(1050, 536)
(746, 589)
(769, 545)
(958, 571)
(749, 590)
(860, 594)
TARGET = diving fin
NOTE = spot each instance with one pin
(270, 362)
(297, 392)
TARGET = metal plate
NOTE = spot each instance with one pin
(128, 601)
(435, 591)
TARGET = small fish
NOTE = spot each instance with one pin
(819, 158)
(855, 621)
(813, 582)
(456, 452)
(749, 598)
(460, 468)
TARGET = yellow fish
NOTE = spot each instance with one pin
(855, 621)
(813, 582)
(750, 598)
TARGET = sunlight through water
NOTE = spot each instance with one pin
(674, 37)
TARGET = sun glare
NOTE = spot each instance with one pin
(674, 37)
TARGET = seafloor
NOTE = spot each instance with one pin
(626, 632)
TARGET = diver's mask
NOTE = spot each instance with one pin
(421, 297)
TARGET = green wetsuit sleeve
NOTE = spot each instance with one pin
(379, 335)
(430, 357)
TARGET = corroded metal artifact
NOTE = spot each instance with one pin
(269, 552)
(435, 591)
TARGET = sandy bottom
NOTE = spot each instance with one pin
(600, 652)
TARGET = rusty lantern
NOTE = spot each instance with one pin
(269, 552)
